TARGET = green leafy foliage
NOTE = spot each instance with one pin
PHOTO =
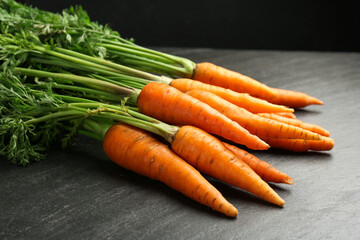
(48, 91)
(21, 142)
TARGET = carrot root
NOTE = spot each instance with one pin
(286, 114)
(170, 105)
(219, 76)
(243, 100)
(138, 151)
(267, 172)
(255, 124)
(298, 123)
(293, 99)
(301, 145)
(218, 161)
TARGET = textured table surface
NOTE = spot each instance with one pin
(80, 194)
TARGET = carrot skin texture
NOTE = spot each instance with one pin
(267, 172)
(217, 161)
(138, 151)
(293, 99)
(285, 114)
(243, 100)
(169, 105)
(301, 145)
(255, 124)
(215, 75)
(298, 123)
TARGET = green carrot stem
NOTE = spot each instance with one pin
(187, 65)
(130, 117)
(95, 128)
(124, 82)
(147, 63)
(50, 60)
(99, 94)
(134, 50)
(65, 113)
(127, 70)
(70, 99)
(75, 59)
(98, 84)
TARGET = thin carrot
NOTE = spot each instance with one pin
(138, 151)
(218, 76)
(301, 145)
(255, 124)
(286, 114)
(293, 99)
(243, 100)
(210, 156)
(267, 172)
(296, 122)
(169, 105)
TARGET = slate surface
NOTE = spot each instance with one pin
(80, 194)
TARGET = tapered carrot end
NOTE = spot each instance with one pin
(314, 100)
(231, 212)
(327, 144)
(288, 180)
(325, 133)
(281, 204)
(262, 146)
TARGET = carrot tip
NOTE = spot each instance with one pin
(288, 180)
(281, 204)
(317, 101)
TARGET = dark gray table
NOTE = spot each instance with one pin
(80, 194)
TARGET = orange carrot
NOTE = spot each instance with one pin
(301, 145)
(169, 105)
(243, 100)
(210, 156)
(257, 125)
(138, 151)
(267, 172)
(222, 77)
(293, 99)
(286, 114)
(298, 123)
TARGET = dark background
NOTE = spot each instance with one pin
(237, 24)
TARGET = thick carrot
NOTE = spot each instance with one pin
(301, 145)
(257, 125)
(169, 105)
(138, 151)
(267, 172)
(243, 100)
(286, 114)
(293, 99)
(222, 77)
(298, 123)
(210, 156)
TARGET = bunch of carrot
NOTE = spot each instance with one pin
(214, 101)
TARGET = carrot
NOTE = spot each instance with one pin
(169, 105)
(301, 145)
(267, 172)
(257, 125)
(210, 156)
(243, 100)
(222, 77)
(298, 123)
(293, 99)
(286, 114)
(138, 151)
